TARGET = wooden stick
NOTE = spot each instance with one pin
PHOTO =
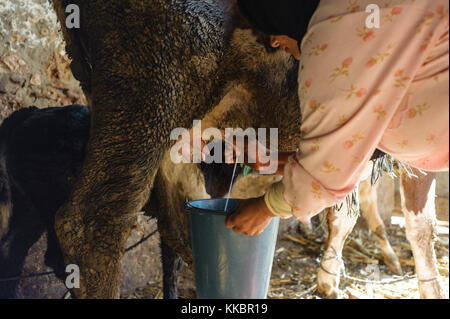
(441, 248)
(388, 296)
(296, 239)
(362, 249)
(364, 260)
(312, 242)
(364, 256)
(356, 294)
(408, 262)
(443, 271)
(159, 295)
(277, 281)
(308, 291)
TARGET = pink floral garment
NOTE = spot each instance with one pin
(362, 89)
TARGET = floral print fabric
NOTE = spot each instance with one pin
(362, 89)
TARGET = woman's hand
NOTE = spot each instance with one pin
(251, 217)
(252, 159)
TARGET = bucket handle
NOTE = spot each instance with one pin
(187, 206)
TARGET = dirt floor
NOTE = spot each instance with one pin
(297, 259)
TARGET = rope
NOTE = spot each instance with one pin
(27, 276)
(428, 280)
(336, 256)
(141, 241)
(328, 272)
(342, 271)
(377, 282)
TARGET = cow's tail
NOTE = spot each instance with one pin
(5, 190)
(6, 127)
(5, 200)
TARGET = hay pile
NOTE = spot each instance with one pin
(298, 258)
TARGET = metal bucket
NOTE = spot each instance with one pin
(229, 265)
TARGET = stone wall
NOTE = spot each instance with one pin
(34, 67)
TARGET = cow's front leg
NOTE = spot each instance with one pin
(418, 196)
(369, 211)
(113, 186)
(340, 225)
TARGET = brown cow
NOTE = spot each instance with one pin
(418, 195)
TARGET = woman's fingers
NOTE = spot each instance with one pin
(239, 230)
(229, 223)
(250, 218)
(234, 220)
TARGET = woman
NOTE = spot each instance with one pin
(360, 88)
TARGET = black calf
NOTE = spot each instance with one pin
(41, 152)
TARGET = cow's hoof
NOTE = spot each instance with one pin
(391, 260)
(327, 285)
(328, 292)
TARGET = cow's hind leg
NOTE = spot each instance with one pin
(171, 263)
(340, 225)
(418, 196)
(369, 211)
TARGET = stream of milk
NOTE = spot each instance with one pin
(231, 186)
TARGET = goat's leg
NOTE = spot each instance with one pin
(171, 263)
(369, 211)
(418, 196)
(340, 225)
